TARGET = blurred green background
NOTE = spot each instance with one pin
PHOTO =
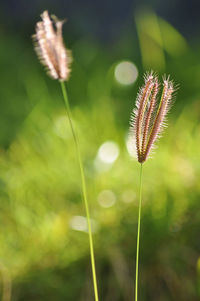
(44, 251)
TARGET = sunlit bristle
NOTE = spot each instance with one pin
(149, 116)
(50, 47)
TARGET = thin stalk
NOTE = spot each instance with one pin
(84, 190)
(138, 235)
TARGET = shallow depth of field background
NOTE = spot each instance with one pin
(44, 252)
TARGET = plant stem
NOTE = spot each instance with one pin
(138, 235)
(84, 191)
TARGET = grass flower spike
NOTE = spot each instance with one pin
(52, 53)
(50, 47)
(149, 117)
(147, 122)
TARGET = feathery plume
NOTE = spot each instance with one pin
(149, 116)
(50, 48)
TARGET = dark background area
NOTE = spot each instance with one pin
(103, 20)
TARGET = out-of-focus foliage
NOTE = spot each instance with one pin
(44, 249)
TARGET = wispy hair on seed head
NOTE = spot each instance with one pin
(50, 48)
(149, 116)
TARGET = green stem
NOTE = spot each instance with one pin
(138, 235)
(84, 191)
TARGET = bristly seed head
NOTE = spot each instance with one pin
(50, 48)
(149, 116)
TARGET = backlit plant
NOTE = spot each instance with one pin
(147, 123)
(56, 58)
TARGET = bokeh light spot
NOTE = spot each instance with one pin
(130, 144)
(106, 198)
(128, 196)
(108, 152)
(126, 73)
(61, 127)
(79, 223)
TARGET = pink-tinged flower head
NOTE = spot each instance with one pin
(148, 118)
(50, 47)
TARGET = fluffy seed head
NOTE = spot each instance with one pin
(149, 116)
(50, 48)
